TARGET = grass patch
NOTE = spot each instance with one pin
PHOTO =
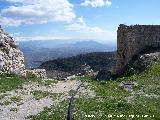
(106, 88)
(71, 92)
(3, 96)
(10, 83)
(49, 82)
(16, 99)
(7, 102)
(40, 94)
(58, 112)
(111, 98)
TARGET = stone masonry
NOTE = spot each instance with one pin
(131, 40)
(11, 58)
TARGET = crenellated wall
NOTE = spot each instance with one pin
(133, 39)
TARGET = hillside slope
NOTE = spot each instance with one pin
(73, 65)
(135, 96)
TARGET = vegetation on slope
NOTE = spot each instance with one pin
(113, 102)
(97, 61)
(11, 82)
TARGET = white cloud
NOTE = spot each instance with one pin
(36, 11)
(96, 3)
(81, 26)
(88, 32)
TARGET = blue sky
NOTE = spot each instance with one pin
(74, 19)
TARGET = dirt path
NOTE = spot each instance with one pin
(32, 98)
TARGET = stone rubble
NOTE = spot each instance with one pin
(40, 73)
(12, 59)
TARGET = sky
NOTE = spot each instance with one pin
(74, 19)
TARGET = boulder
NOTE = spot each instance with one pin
(128, 85)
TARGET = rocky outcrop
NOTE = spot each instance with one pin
(11, 58)
(145, 61)
(141, 63)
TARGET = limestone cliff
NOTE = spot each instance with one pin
(11, 58)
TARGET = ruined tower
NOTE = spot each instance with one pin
(131, 40)
(11, 58)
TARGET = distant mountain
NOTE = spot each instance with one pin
(73, 65)
(37, 52)
(95, 46)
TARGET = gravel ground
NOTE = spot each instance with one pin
(26, 105)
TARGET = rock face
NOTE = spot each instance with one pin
(11, 58)
(131, 40)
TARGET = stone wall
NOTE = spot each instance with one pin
(11, 58)
(131, 40)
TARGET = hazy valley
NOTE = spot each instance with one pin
(37, 52)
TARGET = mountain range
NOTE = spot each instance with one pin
(39, 51)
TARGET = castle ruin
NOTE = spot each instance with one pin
(131, 40)
(12, 58)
